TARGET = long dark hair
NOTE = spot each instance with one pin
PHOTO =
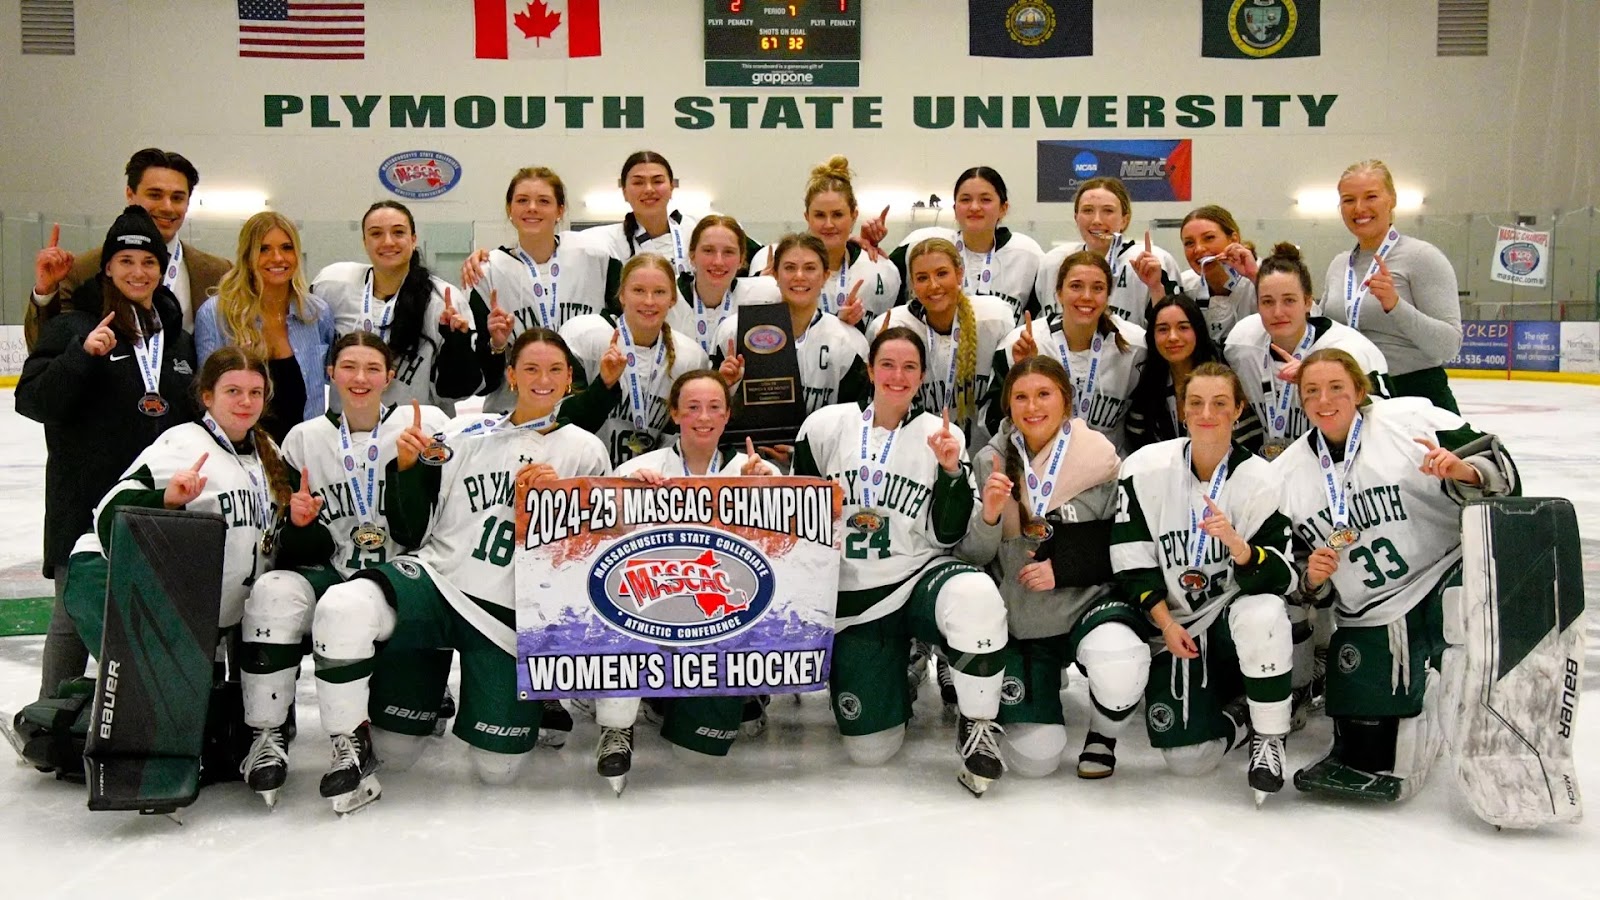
(411, 302)
(630, 223)
(1038, 364)
(230, 358)
(359, 338)
(1148, 402)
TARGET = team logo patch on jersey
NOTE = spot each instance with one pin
(1349, 658)
(765, 339)
(849, 706)
(1161, 717)
(681, 586)
(419, 174)
(1012, 690)
(407, 568)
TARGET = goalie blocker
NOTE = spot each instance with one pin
(1514, 662)
(146, 734)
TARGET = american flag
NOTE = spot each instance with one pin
(279, 29)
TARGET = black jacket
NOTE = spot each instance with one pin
(89, 406)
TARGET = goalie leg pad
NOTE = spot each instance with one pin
(1514, 666)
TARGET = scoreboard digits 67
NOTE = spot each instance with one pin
(785, 40)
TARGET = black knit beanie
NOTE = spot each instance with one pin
(134, 230)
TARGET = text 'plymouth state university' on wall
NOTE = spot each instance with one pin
(695, 113)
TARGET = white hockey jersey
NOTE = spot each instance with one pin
(246, 506)
(1130, 297)
(1409, 522)
(315, 445)
(926, 510)
(344, 286)
(1114, 379)
(879, 281)
(1158, 493)
(831, 354)
(673, 244)
(1007, 270)
(589, 336)
(703, 323)
(470, 536)
(994, 319)
(1222, 314)
(1249, 353)
(667, 461)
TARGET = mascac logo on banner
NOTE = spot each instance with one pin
(1151, 170)
(419, 174)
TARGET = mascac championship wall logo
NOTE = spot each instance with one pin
(419, 174)
(681, 585)
(1520, 257)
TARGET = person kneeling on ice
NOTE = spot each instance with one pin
(699, 403)
(339, 457)
(458, 590)
(1374, 494)
(908, 500)
(224, 464)
(1044, 528)
(1216, 598)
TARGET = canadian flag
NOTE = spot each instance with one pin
(532, 29)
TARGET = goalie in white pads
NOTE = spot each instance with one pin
(908, 496)
(1374, 494)
(1044, 529)
(458, 589)
(1200, 546)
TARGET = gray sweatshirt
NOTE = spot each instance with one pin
(1033, 614)
(1424, 328)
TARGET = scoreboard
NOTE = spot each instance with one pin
(801, 43)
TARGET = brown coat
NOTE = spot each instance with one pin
(205, 272)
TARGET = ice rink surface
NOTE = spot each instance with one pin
(785, 815)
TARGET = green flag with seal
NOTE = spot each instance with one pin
(1261, 29)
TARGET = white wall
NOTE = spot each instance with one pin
(1512, 131)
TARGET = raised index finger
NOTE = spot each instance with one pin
(947, 420)
(106, 322)
(494, 299)
(1147, 240)
(616, 335)
(305, 480)
(1211, 504)
(55, 235)
(200, 463)
(1284, 354)
(1383, 267)
(416, 413)
(1427, 443)
(750, 447)
(854, 290)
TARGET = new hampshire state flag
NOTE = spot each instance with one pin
(1261, 29)
(1030, 29)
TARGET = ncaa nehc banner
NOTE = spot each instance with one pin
(1150, 170)
(701, 586)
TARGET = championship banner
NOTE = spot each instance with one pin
(1261, 29)
(704, 586)
(1521, 257)
(1150, 170)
